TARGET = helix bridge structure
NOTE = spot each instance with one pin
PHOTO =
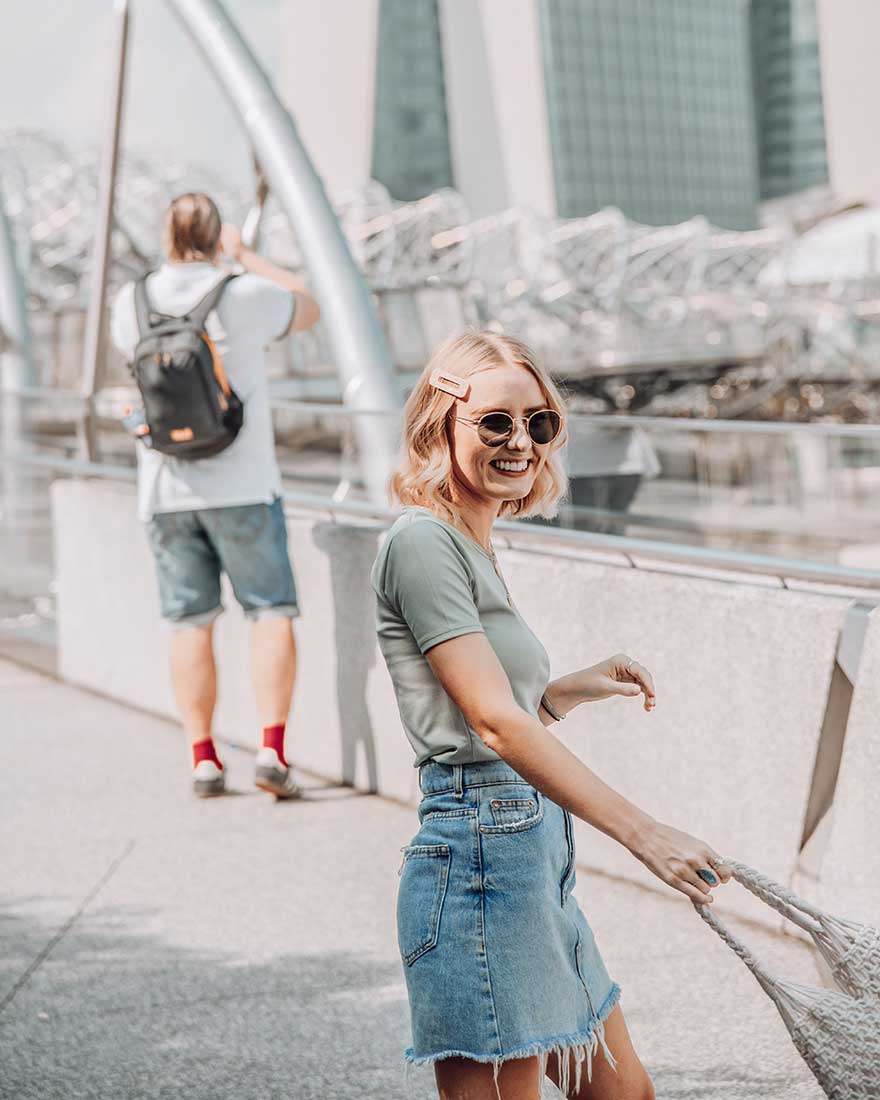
(683, 320)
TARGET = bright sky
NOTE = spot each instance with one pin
(55, 69)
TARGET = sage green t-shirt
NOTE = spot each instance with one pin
(433, 583)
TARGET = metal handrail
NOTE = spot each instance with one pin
(733, 427)
(636, 553)
(601, 420)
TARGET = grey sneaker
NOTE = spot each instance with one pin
(273, 776)
(208, 780)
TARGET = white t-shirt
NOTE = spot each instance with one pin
(251, 314)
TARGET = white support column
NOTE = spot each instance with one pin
(327, 79)
(474, 131)
(516, 71)
(849, 31)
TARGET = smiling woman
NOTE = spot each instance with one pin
(505, 979)
(495, 431)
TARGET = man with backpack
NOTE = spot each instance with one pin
(209, 488)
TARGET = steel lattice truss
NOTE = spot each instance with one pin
(50, 195)
(675, 319)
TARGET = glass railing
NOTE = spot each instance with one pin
(799, 490)
(774, 492)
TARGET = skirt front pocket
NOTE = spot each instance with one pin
(424, 877)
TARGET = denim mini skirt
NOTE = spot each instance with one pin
(500, 962)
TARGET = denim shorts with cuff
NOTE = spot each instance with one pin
(247, 542)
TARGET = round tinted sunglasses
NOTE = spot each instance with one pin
(496, 428)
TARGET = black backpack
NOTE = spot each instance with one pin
(189, 407)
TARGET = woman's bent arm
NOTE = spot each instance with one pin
(470, 672)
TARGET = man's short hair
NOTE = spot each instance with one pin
(192, 228)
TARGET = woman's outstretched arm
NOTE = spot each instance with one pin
(472, 675)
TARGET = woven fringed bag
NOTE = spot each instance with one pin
(851, 950)
(836, 1034)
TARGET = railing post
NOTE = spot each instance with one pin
(94, 349)
(16, 366)
(15, 351)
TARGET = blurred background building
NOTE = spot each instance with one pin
(789, 112)
(665, 111)
(629, 186)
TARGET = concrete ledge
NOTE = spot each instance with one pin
(742, 677)
(742, 672)
(112, 640)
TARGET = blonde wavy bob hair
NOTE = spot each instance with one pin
(425, 476)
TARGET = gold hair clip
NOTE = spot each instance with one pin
(451, 383)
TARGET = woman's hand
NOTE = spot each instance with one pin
(230, 241)
(618, 675)
(676, 857)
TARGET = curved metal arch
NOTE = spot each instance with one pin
(362, 357)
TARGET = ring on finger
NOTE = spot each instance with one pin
(708, 876)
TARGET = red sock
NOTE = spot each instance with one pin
(273, 738)
(205, 750)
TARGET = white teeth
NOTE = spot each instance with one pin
(514, 467)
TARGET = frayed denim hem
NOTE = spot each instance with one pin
(583, 1046)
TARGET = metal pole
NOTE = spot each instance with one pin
(94, 350)
(17, 372)
(17, 358)
(250, 229)
(359, 348)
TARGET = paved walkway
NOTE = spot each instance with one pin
(153, 946)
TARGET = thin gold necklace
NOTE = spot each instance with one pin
(490, 551)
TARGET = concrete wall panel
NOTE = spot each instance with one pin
(742, 673)
(110, 637)
(742, 677)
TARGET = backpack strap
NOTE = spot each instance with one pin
(142, 308)
(198, 315)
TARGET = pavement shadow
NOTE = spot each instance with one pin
(724, 1084)
(351, 552)
(115, 1014)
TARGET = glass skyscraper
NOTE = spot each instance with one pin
(788, 96)
(682, 107)
(411, 153)
(651, 108)
(664, 109)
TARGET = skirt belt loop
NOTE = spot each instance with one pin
(458, 780)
